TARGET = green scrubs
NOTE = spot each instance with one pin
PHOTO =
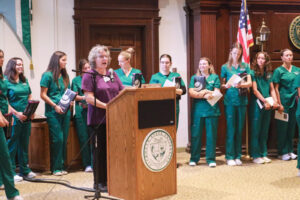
(17, 95)
(127, 80)
(6, 171)
(203, 114)
(296, 86)
(58, 123)
(235, 112)
(81, 123)
(286, 130)
(259, 118)
(161, 79)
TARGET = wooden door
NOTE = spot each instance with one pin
(117, 39)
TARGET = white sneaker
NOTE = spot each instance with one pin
(231, 162)
(57, 173)
(16, 198)
(63, 172)
(293, 156)
(259, 161)
(213, 164)
(192, 164)
(238, 162)
(18, 178)
(285, 157)
(267, 160)
(1, 186)
(298, 173)
(31, 175)
(88, 169)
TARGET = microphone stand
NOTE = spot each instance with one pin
(97, 194)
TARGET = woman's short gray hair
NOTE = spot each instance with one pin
(94, 53)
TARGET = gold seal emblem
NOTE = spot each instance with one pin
(294, 32)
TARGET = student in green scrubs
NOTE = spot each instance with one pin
(283, 79)
(164, 74)
(53, 84)
(203, 114)
(297, 86)
(80, 117)
(126, 71)
(235, 103)
(18, 94)
(260, 118)
(6, 171)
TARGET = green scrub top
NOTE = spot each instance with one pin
(201, 105)
(17, 94)
(160, 78)
(54, 92)
(3, 99)
(76, 87)
(232, 96)
(296, 86)
(263, 84)
(285, 79)
(127, 80)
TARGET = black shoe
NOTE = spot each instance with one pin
(102, 187)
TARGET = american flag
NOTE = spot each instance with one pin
(244, 36)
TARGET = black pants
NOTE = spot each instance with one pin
(100, 133)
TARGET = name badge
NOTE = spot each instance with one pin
(106, 79)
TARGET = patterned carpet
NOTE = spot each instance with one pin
(273, 181)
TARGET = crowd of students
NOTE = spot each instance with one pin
(95, 89)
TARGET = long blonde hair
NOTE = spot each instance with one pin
(211, 69)
(230, 59)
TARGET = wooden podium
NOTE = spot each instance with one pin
(138, 147)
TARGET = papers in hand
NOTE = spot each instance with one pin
(66, 99)
(216, 97)
(234, 80)
(169, 83)
(283, 116)
(270, 101)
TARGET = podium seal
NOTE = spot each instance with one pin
(157, 150)
(294, 32)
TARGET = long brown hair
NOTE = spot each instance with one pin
(267, 66)
(55, 68)
(1, 72)
(230, 59)
(81, 64)
(211, 69)
(11, 71)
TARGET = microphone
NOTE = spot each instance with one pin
(74, 70)
(111, 71)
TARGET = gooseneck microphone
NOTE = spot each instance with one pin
(111, 74)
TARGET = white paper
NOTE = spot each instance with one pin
(216, 97)
(270, 100)
(259, 103)
(234, 80)
(169, 83)
(283, 116)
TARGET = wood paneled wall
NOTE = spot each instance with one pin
(119, 13)
(212, 29)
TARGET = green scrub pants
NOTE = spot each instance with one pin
(82, 132)
(6, 171)
(260, 122)
(18, 143)
(211, 124)
(177, 113)
(298, 146)
(235, 120)
(58, 131)
(285, 132)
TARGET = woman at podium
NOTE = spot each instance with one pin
(164, 75)
(18, 94)
(235, 102)
(203, 113)
(99, 86)
(53, 84)
(125, 73)
(6, 174)
(80, 117)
